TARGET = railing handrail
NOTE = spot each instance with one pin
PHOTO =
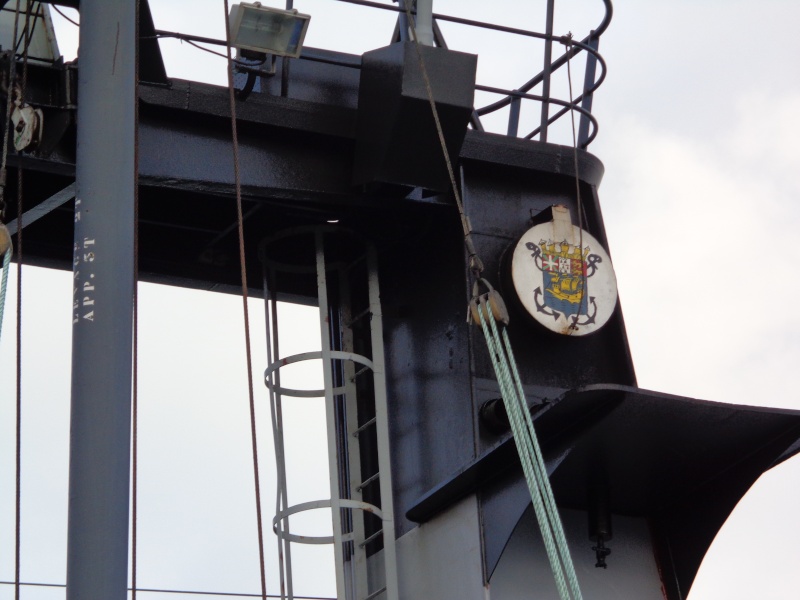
(581, 103)
(567, 105)
(573, 48)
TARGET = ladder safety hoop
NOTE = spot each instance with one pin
(333, 355)
(317, 504)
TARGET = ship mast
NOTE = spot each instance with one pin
(97, 539)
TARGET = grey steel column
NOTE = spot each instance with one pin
(99, 463)
(548, 66)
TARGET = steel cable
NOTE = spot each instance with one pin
(531, 457)
(173, 591)
(18, 493)
(276, 415)
(243, 270)
(12, 64)
(58, 10)
(513, 396)
(475, 263)
(3, 170)
(135, 332)
(6, 260)
(579, 201)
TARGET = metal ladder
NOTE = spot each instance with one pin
(356, 421)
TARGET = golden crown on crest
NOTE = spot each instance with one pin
(563, 250)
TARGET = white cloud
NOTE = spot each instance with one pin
(703, 238)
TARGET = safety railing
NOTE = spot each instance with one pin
(587, 130)
(582, 103)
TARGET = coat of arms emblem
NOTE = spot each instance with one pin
(563, 276)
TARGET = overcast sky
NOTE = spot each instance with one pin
(699, 121)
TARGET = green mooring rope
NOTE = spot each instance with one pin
(3, 285)
(530, 454)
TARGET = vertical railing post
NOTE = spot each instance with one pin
(513, 116)
(548, 61)
(424, 22)
(402, 20)
(588, 82)
(103, 280)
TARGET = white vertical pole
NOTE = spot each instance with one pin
(382, 425)
(330, 416)
(424, 22)
(360, 581)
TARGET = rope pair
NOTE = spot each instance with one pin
(488, 309)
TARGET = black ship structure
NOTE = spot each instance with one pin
(360, 178)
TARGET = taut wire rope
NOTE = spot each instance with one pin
(28, 33)
(276, 415)
(6, 258)
(509, 381)
(243, 270)
(533, 465)
(475, 263)
(58, 10)
(135, 372)
(174, 591)
(568, 42)
(215, 53)
(18, 494)
(12, 64)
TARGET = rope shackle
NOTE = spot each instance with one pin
(491, 300)
(475, 263)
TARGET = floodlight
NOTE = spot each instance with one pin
(266, 29)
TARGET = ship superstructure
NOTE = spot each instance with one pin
(341, 167)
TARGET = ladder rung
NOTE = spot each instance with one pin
(353, 264)
(358, 431)
(375, 594)
(371, 538)
(359, 372)
(358, 317)
(367, 481)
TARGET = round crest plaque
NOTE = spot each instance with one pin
(563, 277)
